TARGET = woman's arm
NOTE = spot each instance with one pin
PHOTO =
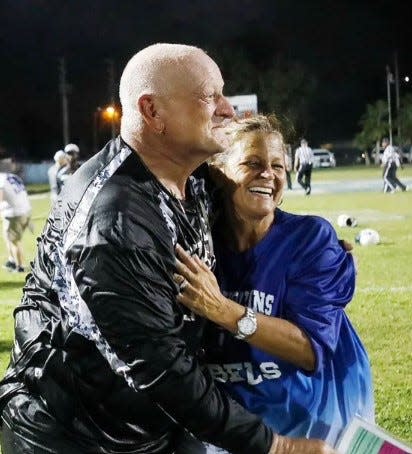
(274, 335)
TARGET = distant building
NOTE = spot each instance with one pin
(244, 105)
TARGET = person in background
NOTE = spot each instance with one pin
(15, 211)
(303, 166)
(72, 152)
(391, 161)
(283, 347)
(105, 359)
(60, 160)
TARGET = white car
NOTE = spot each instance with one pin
(323, 158)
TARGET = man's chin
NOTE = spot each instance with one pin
(213, 147)
(218, 148)
(221, 138)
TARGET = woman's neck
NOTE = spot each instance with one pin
(243, 234)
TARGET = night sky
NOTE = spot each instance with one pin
(346, 44)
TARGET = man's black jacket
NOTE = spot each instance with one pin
(100, 337)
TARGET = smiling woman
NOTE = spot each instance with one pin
(251, 174)
(284, 348)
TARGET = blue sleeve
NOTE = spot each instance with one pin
(321, 282)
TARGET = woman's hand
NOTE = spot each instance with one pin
(199, 290)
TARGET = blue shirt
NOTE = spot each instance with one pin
(298, 272)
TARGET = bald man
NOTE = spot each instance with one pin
(105, 359)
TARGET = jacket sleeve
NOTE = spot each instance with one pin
(130, 293)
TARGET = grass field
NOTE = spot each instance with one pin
(381, 310)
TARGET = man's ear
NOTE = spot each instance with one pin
(148, 110)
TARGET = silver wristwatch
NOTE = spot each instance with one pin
(247, 325)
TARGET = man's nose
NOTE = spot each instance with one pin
(224, 108)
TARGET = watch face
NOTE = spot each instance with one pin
(247, 326)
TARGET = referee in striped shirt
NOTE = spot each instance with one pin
(303, 165)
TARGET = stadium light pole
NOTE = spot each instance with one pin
(396, 81)
(64, 90)
(389, 80)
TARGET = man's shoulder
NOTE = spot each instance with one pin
(112, 199)
(127, 212)
(121, 229)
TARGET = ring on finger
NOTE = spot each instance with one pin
(183, 285)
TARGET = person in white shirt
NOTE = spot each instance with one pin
(15, 211)
(391, 161)
(303, 165)
(72, 152)
(60, 160)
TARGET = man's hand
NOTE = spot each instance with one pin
(286, 445)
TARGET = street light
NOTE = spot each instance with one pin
(111, 114)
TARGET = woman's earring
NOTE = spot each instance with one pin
(280, 203)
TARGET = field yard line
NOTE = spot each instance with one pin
(338, 186)
(40, 216)
(384, 289)
(42, 195)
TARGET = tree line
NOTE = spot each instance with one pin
(374, 125)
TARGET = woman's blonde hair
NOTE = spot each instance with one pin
(269, 124)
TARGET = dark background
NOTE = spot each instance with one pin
(345, 45)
